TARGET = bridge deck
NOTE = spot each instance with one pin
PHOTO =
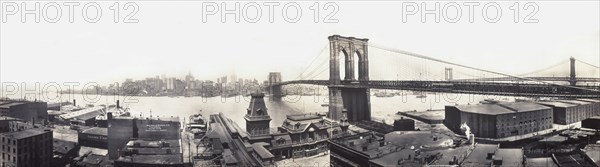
(467, 87)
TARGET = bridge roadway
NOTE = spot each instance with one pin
(565, 79)
(466, 87)
(235, 143)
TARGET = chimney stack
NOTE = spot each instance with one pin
(74, 102)
(118, 104)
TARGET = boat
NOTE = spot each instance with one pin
(197, 125)
(421, 96)
(383, 94)
(116, 112)
(324, 105)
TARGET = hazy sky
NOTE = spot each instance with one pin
(171, 38)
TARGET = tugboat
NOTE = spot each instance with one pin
(197, 125)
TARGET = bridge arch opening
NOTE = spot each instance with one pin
(343, 63)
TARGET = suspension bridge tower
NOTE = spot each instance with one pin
(572, 79)
(343, 96)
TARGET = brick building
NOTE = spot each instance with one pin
(571, 111)
(491, 119)
(31, 147)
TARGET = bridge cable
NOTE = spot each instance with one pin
(544, 69)
(313, 60)
(589, 64)
(468, 67)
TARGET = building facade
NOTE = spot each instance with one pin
(492, 119)
(29, 148)
(303, 135)
(571, 111)
(124, 129)
(35, 111)
(257, 119)
(94, 137)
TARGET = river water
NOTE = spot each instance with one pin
(235, 107)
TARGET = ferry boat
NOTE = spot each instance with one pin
(101, 120)
(383, 94)
(197, 125)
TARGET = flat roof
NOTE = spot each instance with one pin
(96, 131)
(153, 159)
(25, 133)
(543, 161)
(510, 156)
(578, 102)
(62, 146)
(479, 155)
(593, 151)
(9, 118)
(556, 104)
(590, 100)
(10, 104)
(501, 108)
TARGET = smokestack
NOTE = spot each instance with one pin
(74, 102)
(118, 104)
(109, 116)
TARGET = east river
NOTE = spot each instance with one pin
(235, 107)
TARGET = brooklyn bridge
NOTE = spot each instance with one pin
(349, 81)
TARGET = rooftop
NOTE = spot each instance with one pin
(63, 147)
(262, 152)
(556, 104)
(153, 159)
(9, 118)
(25, 133)
(84, 114)
(96, 131)
(497, 108)
(510, 157)
(479, 156)
(577, 102)
(593, 151)
(302, 117)
(544, 161)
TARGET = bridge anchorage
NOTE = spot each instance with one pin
(352, 93)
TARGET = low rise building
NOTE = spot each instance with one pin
(85, 117)
(6, 123)
(492, 119)
(591, 123)
(93, 137)
(303, 135)
(151, 153)
(64, 152)
(571, 111)
(35, 111)
(30, 147)
(124, 129)
(404, 124)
